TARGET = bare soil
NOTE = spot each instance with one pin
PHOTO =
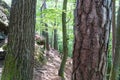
(49, 71)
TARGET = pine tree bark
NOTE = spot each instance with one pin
(91, 30)
(20, 55)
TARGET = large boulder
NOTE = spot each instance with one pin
(4, 16)
(4, 20)
(4, 23)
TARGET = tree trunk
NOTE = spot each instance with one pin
(47, 38)
(114, 75)
(20, 55)
(65, 42)
(113, 31)
(55, 31)
(42, 15)
(91, 30)
(55, 39)
(45, 32)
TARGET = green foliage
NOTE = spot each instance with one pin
(109, 59)
(52, 15)
(39, 56)
(4, 47)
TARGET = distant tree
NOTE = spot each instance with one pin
(51, 39)
(65, 41)
(55, 31)
(55, 39)
(43, 7)
(114, 75)
(45, 32)
(91, 30)
(20, 56)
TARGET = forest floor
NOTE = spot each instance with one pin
(49, 71)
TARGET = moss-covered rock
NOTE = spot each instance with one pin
(3, 51)
(40, 58)
(4, 21)
(4, 17)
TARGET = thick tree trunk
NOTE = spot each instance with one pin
(20, 56)
(92, 28)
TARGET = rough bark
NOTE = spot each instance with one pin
(91, 30)
(116, 62)
(65, 42)
(19, 59)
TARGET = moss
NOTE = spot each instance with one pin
(4, 47)
(6, 11)
(39, 56)
(9, 67)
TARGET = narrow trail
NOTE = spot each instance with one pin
(50, 70)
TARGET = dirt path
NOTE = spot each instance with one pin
(50, 70)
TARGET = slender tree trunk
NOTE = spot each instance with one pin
(113, 31)
(47, 38)
(42, 15)
(20, 56)
(116, 62)
(55, 31)
(51, 39)
(65, 42)
(55, 39)
(91, 30)
(45, 32)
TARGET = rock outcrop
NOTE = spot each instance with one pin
(4, 23)
(4, 17)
